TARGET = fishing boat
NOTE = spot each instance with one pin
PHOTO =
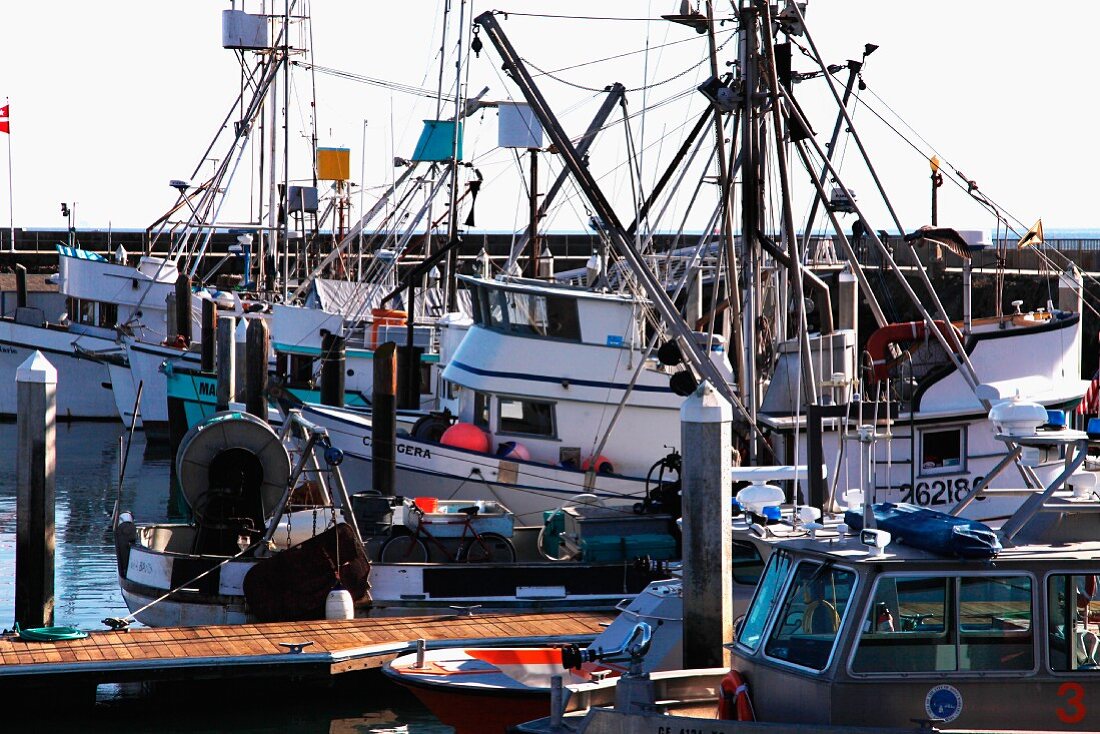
(273, 526)
(910, 614)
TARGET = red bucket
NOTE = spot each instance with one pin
(426, 504)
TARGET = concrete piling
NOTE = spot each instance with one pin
(36, 387)
(227, 361)
(707, 532)
(256, 350)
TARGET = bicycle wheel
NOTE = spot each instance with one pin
(404, 549)
(488, 548)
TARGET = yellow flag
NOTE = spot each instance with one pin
(1034, 236)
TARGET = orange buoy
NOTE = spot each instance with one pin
(601, 463)
(733, 699)
(466, 436)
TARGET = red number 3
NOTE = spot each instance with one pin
(1074, 709)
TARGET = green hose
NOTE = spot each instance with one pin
(49, 634)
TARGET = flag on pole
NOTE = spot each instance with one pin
(1089, 402)
(1034, 236)
(5, 123)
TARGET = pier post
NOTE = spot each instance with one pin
(182, 312)
(332, 370)
(256, 368)
(171, 327)
(408, 377)
(209, 326)
(227, 361)
(21, 285)
(383, 444)
(707, 533)
(36, 388)
(240, 344)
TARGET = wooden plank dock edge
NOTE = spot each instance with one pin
(264, 650)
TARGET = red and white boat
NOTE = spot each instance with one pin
(483, 689)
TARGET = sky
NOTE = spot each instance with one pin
(110, 101)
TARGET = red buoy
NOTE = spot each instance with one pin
(602, 464)
(466, 436)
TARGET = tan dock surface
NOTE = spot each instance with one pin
(230, 651)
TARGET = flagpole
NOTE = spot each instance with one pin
(11, 198)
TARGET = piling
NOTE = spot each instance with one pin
(383, 448)
(209, 325)
(256, 349)
(240, 346)
(21, 286)
(182, 311)
(708, 539)
(171, 328)
(36, 388)
(333, 361)
(227, 361)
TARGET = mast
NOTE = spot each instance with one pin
(670, 314)
(452, 213)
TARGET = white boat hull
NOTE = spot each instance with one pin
(83, 385)
(528, 488)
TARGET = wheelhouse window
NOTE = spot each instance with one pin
(528, 314)
(808, 625)
(1070, 606)
(108, 315)
(767, 594)
(528, 417)
(477, 294)
(912, 625)
(943, 451)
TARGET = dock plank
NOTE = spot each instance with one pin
(228, 651)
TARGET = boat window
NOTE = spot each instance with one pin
(528, 314)
(995, 623)
(747, 563)
(943, 451)
(912, 626)
(108, 315)
(525, 416)
(496, 310)
(476, 296)
(1071, 606)
(481, 410)
(906, 627)
(767, 594)
(562, 321)
(809, 620)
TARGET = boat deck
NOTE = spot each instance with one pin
(320, 649)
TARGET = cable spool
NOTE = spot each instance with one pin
(233, 471)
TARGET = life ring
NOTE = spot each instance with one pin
(733, 699)
(882, 338)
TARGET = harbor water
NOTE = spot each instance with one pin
(87, 591)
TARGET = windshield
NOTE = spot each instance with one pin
(766, 594)
(811, 616)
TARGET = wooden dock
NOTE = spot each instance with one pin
(268, 650)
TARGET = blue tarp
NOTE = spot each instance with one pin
(930, 530)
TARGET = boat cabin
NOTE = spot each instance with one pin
(1009, 642)
(546, 365)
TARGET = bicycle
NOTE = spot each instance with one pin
(472, 547)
